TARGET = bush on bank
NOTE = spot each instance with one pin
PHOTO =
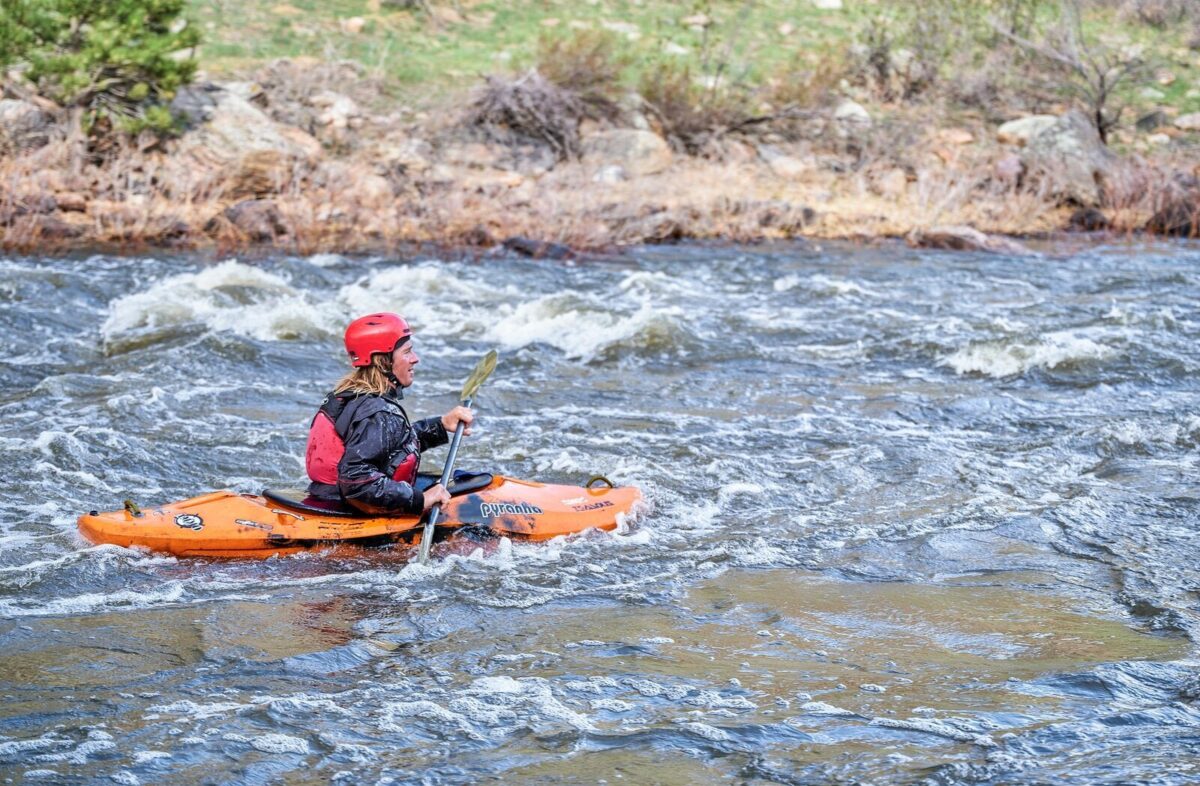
(120, 61)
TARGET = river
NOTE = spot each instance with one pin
(914, 517)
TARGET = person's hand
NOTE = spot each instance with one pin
(459, 414)
(436, 495)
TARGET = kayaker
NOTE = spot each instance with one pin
(362, 448)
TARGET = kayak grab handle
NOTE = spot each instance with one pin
(598, 479)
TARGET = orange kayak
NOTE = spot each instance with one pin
(225, 524)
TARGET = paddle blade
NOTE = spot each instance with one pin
(482, 371)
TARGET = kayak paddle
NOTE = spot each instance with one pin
(482, 371)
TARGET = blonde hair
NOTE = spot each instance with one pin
(368, 379)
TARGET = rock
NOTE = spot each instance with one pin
(1009, 169)
(786, 29)
(353, 25)
(258, 220)
(285, 9)
(1070, 155)
(786, 217)
(893, 183)
(956, 136)
(1180, 218)
(1152, 94)
(71, 202)
(539, 249)
(493, 180)
(335, 109)
(227, 127)
(1158, 140)
(696, 20)
(828, 5)
(1088, 219)
(446, 15)
(637, 152)
(55, 228)
(852, 113)
(963, 238)
(473, 154)
(672, 48)
(402, 157)
(23, 125)
(259, 173)
(373, 189)
(1152, 120)
(610, 175)
(783, 165)
(1020, 131)
(1188, 122)
(250, 91)
(1164, 77)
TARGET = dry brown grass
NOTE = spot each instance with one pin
(59, 198)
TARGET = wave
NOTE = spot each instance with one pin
(231, 296)
(1006, 358)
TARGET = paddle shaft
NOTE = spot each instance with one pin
(436, 510)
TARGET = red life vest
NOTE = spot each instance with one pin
(326, 445)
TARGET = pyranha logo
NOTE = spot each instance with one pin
(492, 509)
(189, 521)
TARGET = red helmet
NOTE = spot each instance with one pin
(375, 333)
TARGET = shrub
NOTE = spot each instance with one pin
(117, 60)
(1092, 72)
(529, 108)
(693, 111)
(587, 64)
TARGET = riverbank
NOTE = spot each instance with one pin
(240, 179)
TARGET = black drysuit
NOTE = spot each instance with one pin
(379, 437)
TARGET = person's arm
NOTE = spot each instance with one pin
(360, 479)
(431, 433)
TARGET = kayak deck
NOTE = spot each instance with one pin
(227, 524)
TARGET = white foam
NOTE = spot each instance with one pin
(280, 743)
(706, 731)
(940, 728)
(274, 311)
(1006, 358)
(562, 322)
(821, 708)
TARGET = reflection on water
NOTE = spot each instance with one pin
(914, 518)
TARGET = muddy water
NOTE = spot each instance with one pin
(915, 518)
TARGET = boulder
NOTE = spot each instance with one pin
(1009, 169)
(852, 113)
(23, 125)
(258, 220)
(1180, 218)
(637, 152)
(963, 238)
(1070, 155)
(785, 166)
(1088, 219)
(539, 249)
(1021, 130)
(892, 183)
(610, 175)
(1188, 122)
(402, 157)
(956, 136)
(336, 111)
(227, 127)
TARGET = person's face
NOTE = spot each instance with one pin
(404, 358)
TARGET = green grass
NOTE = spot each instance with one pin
(425, 63)
(416, 56)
